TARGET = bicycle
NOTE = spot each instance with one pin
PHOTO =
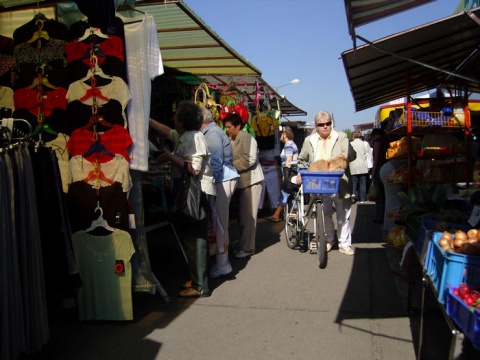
(297, 217)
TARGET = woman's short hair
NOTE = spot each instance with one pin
(235, 119)
(190, 115)
(207, 115)
(287, 130)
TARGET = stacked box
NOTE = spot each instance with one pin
(468, 321)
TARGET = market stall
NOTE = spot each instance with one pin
(434, 138)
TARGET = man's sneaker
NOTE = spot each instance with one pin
(347, 250)
(217, 271)
(329, 246)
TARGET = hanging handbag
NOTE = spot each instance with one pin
(204, 99)
(238, 108)
(231, 103)
(186, 197)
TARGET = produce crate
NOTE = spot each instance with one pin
(468, 321)
(450, 269)
(320, 182)
(420, 232)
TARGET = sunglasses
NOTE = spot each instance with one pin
(324, 124)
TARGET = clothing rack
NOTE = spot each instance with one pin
(14, 130)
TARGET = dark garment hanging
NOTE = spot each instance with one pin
(5, 113)
(61, 275)
(51, 54)
(6, 45)
(111, 66)
(55, 76)
(7, 73)
(58, 121)
(77, 29)
(82, 200)
(79, 114)
(55, 30)
(13, 333)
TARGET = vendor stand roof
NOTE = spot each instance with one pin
(416, 60)
(190, 46)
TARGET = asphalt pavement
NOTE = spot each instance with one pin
(276, 304)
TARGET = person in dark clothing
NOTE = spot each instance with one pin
(380, 144)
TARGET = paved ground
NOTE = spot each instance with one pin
(276, 305)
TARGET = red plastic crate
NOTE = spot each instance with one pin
(468, 321)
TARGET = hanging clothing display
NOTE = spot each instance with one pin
(143, 52)
(72, 86)
(23, 314)
(105, 264)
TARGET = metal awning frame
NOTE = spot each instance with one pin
(444, 53)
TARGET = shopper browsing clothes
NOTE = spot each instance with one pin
(326, 144)
(289, 157)
(245, 160)
(226, 180)
(190, 146)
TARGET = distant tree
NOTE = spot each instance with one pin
(348, 132)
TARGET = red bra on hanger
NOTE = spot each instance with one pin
(26, 98)
(112, 46)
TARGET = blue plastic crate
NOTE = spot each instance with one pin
(434, 262)
(468, 321)
(425, 229)
(320, 182)
(450, 269)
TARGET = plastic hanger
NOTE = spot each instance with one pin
(96, 51)
(91, 92)
(96, 147)
(44, 127)
(100, 221)
(97, 120)
(96, 71)
(91, 32)
(40, 33)
(39, 80)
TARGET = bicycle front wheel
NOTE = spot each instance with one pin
(290, 226)
(321, 238)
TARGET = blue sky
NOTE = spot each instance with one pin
(304, 39)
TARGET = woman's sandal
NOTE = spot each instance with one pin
(192, 293)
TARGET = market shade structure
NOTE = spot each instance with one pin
(360, 12)
(190, 46)
(416, 60)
